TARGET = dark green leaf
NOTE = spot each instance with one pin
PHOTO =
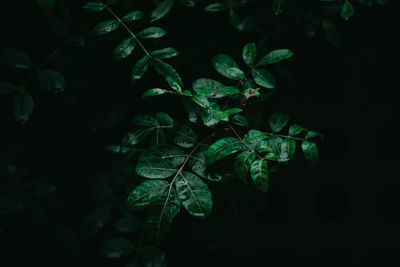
(198, 164)
(105, 27)
(164, 119)
(204, 91)
(275, 142)
(167, 71)
(137, 136)
(161, 10)
(253, 137)
(96, 221)
(151, 256)
(51, 81)
(94, 6)
(184, 136)
(201, 100)
(222, 63)
(145, 121)
(23, 106)
(224, 115)
(7, 88)
(147, 192)
(118, 149)
(223, 148)
(288, 148)
(155, 168)
(13, 58)
(240, 120)
(235, 73)
(151, 32)
(312, 134)
(214, 85)
(229, 90)
(310, 151)
(295, 129)
(128, 224)
(115, 248)
(275, 56)
(124, 49)
(167, 52)
(263, 78)
(140, 68)
(347, 10)
(216, 7)
(277, 121)
(194, 194)
(134, 15)
(259, 174)
(173, 154)
(233, 17)
(242, 164)
(154, 91)
(249, 54)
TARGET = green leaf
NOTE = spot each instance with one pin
(288, 147)
(224, 115)
(128, 224)
(151, 256)
(262, 147)
(347, 10)
(7, 88)
(204, 91)
(23, 106)
(222, 63)
(154, 91)
(140, 68)
(229, 90)
(331, 33)
(264, 78)
(147, 192)
(223, 148)
(167, 71)
(137, 136)
(277, 121)
(173, 154)
(278, 6)
(115, 248)
(151, 32)
(249, 54)
(233, 17)
(13, 58)
(312, 134)
(295, 129)
(159, 137)
(216, 7)
(259, 174)
(167, 52)
(242, 164)
(124, 49)
(155, 168)
(214, 85)
(161, 10)
(310, 151)
(164, 119)
(194, 194)
(184, 136)
(145, 121)
(253, 137)
(134, 15)
(275, 142)
(198, 164)
(235, 73)
(51, 81)
(118, 149)
(240, 120)
(105, 27)
(201, 100)
(94, 6)
(275, 56)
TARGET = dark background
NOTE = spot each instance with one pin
(342, 212)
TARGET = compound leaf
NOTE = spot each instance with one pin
(223, 148)
(124, 49)
(167, 52)
(161, 10)
(140, 68)
(134, 15)
(105, 27)
(151, 32)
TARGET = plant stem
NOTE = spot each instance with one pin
(243, 142)
(126, 27)
(284, 136)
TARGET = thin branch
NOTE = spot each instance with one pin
(243, 142)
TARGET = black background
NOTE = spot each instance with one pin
(342, 212)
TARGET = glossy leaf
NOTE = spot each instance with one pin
(347, 10)
(312, 134)
(94, 6)
(295, 129)
(118, 149)
(167, 71)
(164, 119)
(310, 151)
(240, 120)
(201, 100)
(7, 88)
(23, 106)
(140, 68)
(124, 49)
(259, 174)
(235, 73)
(249, 54)
(167, 52)
(242, 164)
(216, 7)
(145, 121)
(222, 63)
(204, 91)
(151, 32)
(136, 137)
(173, 154)
(264, 78)
(224, 115)
(288, 148)
(115, 248)
(155, 168)
(147, 192)
(277, 121)
(223, 148)
(229, 90)
(275, 56)
(161, 10)
(184, 136)
(134, 15)
(51, 81)
(105, 27)
(154, 91)
(194, 194)
(254, 136)
(214, 85)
